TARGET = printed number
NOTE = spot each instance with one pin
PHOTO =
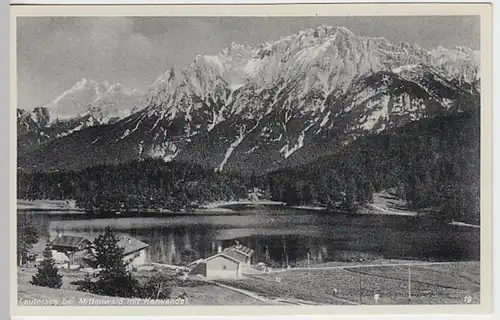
(467, 299)
(278, 279)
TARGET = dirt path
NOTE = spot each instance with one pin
(278, 300)
(245, 292)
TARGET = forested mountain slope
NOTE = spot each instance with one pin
(433, 163)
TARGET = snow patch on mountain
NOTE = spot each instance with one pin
(287, 151)
(325, 119)
(231, 148)
(405, 68)
(90, 122)
(239, 138)
(166, 151)
(382, 112)
(126, 133)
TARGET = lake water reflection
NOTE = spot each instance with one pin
(277, 235)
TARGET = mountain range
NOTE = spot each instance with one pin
(255, 109)
(86, 104)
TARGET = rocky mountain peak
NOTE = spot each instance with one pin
(318, 88)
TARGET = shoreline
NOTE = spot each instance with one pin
(222, 204)
(377, 210)
(311, 208)
(61, 207)
(47, 205)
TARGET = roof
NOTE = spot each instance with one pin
(227, 253)
(68, 241)
(195, 262)
(131, 244)
(222, 254)
(247, 252)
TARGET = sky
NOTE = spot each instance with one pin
(53, 53)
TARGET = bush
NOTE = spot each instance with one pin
(122, 285)
(159, 286)
(86, 284)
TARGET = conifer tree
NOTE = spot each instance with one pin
(351, 196)
(27, 236)
(114, 277)
(307, 194)
(48, 274)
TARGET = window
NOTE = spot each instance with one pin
(224, 267)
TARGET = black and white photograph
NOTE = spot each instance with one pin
(248, 160)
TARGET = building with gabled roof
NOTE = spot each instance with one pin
(231, 262)
(69, 243)
(134, 251)
(72, 247)
(77, 249)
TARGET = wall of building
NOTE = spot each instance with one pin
(136, 258)
(222, 267)
(200, 268)
(59, 257)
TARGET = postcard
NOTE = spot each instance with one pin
(251, 159)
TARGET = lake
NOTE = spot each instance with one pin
(276, 234)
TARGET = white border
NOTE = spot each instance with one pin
(496, 133)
